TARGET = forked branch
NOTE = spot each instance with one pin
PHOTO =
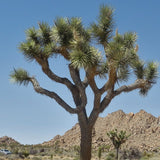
(138, 84)
(54, 96)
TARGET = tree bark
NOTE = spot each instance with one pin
(86, 143)
(86, 136)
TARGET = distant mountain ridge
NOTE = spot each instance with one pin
(143, 127)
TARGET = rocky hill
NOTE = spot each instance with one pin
(143, 127)
(7, 141)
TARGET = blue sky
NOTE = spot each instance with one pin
(31, 118)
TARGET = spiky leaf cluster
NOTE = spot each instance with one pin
(38, 43)
(79, 32)
(102, 70)
(121, 49)
(149, 72)
(102, 30)
(20, 76)
(120, 52)
(123, 73)
(139, 69)
(45, 33)
(85, 57)
(67, 30)
(62, 32)
(45, 41)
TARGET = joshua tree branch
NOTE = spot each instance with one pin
(111, 81)
(90, 74)
(54, 96)
(85, 82)
(95, 112)
(46, 69)
(105, 87)
(93, 117)
(106, 100)
(139, 83)
(81, 88)
(63, 51)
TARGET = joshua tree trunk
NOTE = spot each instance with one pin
(86, 136)
(117, 151)
(86, 143)
(86, 127)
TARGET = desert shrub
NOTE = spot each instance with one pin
(13, 157)
(110, 156)
(101, 149)
(56, 146)
(41, 150)
(132, 153)
(146, 155)
(25, 153)
(15, 151)
(99, 152)
(33, 151)
(36, 158)
(76, 158)
(76, 149)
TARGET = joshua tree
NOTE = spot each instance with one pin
(77, 44)
(117, 139)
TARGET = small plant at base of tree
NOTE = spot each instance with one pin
(101, 149)
(110, 156)
(76, 148)
(117, 139)
(99, 152)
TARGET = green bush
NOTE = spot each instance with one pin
(110, 156)
(26, 154)
(146, 156)
(99, 152)
(36, 158)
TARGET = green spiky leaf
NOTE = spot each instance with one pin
(20, 76)
(123, 73)
(78, 30)
(30, 49)
(143, 91)
(80, 59)
(102, 70)
(151, 73)
(139, 69)
(130, 39)
(102, 31)
(121, 50)
(45, 32)
(62, 32)
(32, 35)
